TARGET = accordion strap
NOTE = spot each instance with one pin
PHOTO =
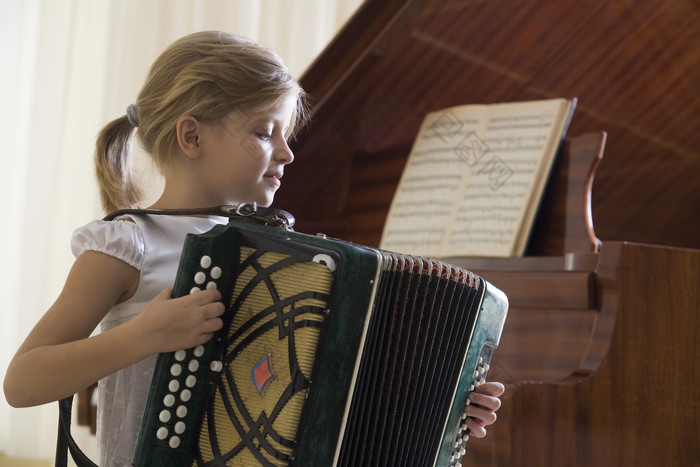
(243, 212)
(65, 440)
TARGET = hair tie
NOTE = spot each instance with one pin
(131, 115)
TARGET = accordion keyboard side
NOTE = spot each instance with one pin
(173, 424)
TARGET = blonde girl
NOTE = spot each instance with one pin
(215, 114)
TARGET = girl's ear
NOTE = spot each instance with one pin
(188, 132)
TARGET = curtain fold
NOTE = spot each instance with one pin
(70, 66)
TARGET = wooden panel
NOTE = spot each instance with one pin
(638, 406)
(542, 344)
(545, 289)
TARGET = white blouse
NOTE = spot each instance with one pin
(152, 244)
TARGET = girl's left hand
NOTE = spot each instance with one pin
(481, 411)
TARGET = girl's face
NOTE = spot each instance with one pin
(245, 155)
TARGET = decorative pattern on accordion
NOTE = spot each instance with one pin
(277, 306)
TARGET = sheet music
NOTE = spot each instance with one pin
(471, 177)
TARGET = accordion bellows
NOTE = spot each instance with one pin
(331, 354)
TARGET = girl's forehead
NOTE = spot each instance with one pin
(281, 112)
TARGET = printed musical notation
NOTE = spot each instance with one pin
(474, 178)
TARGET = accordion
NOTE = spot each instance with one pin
(331, 354)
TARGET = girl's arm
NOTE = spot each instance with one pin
(59, 358)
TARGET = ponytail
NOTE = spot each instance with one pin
(114, 166)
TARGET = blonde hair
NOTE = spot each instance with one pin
(206, 75)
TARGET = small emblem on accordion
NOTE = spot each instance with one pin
(262, 374)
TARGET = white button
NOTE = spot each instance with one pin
(174, 442)
(173, 385)
(169, 400)
(199, 351)
(175, 370)
(180, 355)
(190, 381)
(162, 433)
(181, 411)
(194, 290)
(199, 278)
(179, 428)
(193, 365)
(216, 366)
(185, 395)
(164, 416)
(205, 262)
(215, 272)
(211, 285)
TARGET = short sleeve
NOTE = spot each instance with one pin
(120, 239)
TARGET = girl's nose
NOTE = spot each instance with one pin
(283, 154)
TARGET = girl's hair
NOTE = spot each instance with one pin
(206, 75)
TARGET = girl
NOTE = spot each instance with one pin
(215, 114)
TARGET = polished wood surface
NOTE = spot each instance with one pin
(611, 384)
(634, 66)
(598, 350)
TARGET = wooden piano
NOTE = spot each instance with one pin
(598, 353)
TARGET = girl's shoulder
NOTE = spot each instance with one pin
(122, 238)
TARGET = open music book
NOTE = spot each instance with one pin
(474, 179)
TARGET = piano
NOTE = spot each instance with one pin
(599, 351)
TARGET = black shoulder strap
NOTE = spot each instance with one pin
(242, 212)
(65, 440)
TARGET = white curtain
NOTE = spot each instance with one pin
(68, 67)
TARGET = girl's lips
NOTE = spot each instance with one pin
(274, 178)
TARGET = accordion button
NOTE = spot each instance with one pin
(173, 385)
(199, 278)
(194, 290)
(185, 395)
(199, 351)
(181, 411)
(162, 433)
(212, 285)
(190, 381)
(179, 428)
(174, 442)
(193, 366)
(175, 370)
(169, 400)
(215, 272)
(216, 366)
(180, 355)
(205, 262)
(164, 416)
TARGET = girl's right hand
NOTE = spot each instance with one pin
(170, 324)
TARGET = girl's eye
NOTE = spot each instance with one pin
(264, 136)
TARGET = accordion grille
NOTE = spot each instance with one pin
(277, 308)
